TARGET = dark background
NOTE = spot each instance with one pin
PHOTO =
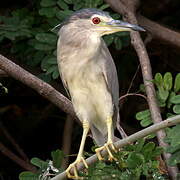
(37, 125)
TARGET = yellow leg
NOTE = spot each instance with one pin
(108, 144)
(79, 158)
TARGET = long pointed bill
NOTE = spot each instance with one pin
(124, 26)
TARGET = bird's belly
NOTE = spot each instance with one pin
(91, 100)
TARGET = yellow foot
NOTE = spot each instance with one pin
(73, 167)
(106, 146)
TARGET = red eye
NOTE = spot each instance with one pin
(96, 20)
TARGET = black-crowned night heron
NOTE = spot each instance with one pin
(89, 75)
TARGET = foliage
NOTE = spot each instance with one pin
(172, 139)
(45, 168)
(133, 161)
(31, 35)
(167, 93)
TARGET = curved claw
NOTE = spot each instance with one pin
(106, 146)
(75, 170)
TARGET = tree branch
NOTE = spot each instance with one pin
(128, 8)
(3, 73)
(130, 139)
(132, 94)
(38, 85)
(157, 31)
(160, 32)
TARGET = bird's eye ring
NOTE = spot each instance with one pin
(96, 20)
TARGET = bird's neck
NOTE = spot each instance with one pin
(80, 45)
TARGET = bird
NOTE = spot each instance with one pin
(89, 76)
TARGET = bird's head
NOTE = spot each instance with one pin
(98, 21)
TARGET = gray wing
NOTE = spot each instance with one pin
(111, 77)
(110, 73)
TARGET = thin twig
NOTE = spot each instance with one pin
(130, 139)
(25, 165)
(13, 142)
(132, 94)
(135, 74)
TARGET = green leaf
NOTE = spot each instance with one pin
(39, 163)
(158, 80)
(12, 21)
(151, 136)
(168, 81)
(61, 15)
(44, 47)
(118, 43)
(146, 122)
(148, 150)
(52, 23)
(177, 83)
(45, 65)
(48, 38)
(143, 114)
(173, 135)
(51, 69)
(32, 42)
(139, 145)
(91, 3)
(121, 34)
(1, 37)
(157, 152)
(169, 103)
(48, 12)
(68, 1)
(163, 94)
(11, 35)
(161, 103)
(115, 16)
(175, 99)
(174, 159)
(52, 61)
(78, 6)
(108, 39)
(104, 6)
(26, 175)
(37, 58)
(55, 74)
(176, 108)
(57, 157)
(47, 3)
(62, 5)
(168, 115)
(173, 149)
(135, 159)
